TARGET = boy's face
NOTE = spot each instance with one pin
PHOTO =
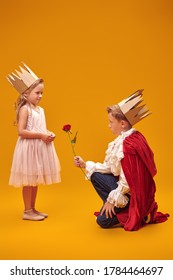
(117, 126)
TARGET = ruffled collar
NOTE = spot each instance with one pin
(118, 143)
(114, 152)
(124, 134)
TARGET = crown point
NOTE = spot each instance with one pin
(130, 108)
(22, 79)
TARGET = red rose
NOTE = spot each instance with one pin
(66, 127)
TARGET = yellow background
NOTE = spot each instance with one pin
(91, 54)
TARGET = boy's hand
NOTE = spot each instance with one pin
(79, 162)
(108, 208)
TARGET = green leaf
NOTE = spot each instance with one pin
(73, 141)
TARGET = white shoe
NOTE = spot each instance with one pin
(45, 215)
(30, 215)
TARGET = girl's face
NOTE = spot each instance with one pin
(35, 95)
(117, 126)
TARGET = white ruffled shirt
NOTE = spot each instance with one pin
(112, 164)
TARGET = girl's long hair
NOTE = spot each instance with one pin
(22, 99)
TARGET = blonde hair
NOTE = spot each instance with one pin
(117, 113)
(22, 100)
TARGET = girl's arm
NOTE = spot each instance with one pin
(24, 133)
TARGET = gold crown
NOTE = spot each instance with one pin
(23, 80)
(131, 110)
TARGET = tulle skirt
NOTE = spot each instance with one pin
(34, 163)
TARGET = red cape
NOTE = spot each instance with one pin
(139, 169)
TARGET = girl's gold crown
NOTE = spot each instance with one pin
(23, 80)
(131, 110)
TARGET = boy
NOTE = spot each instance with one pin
(125, 179)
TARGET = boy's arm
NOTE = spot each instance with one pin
(117, 197)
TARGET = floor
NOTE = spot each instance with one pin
(71, 233)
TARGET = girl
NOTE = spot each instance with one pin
(35, 160)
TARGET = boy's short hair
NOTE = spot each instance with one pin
(117, 113)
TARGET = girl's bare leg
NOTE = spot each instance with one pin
(34, 195)
(29, 197)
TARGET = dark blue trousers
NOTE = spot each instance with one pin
(104, 184)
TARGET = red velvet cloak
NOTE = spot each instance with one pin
(139, 169)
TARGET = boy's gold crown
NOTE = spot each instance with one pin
(131, 110)
(22, 80)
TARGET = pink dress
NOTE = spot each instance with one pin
(34, 162)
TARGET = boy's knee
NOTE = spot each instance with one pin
(102, 222)
(95, 176)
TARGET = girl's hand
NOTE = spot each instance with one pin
(79, 162)
(47, 138)
(52, 136)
